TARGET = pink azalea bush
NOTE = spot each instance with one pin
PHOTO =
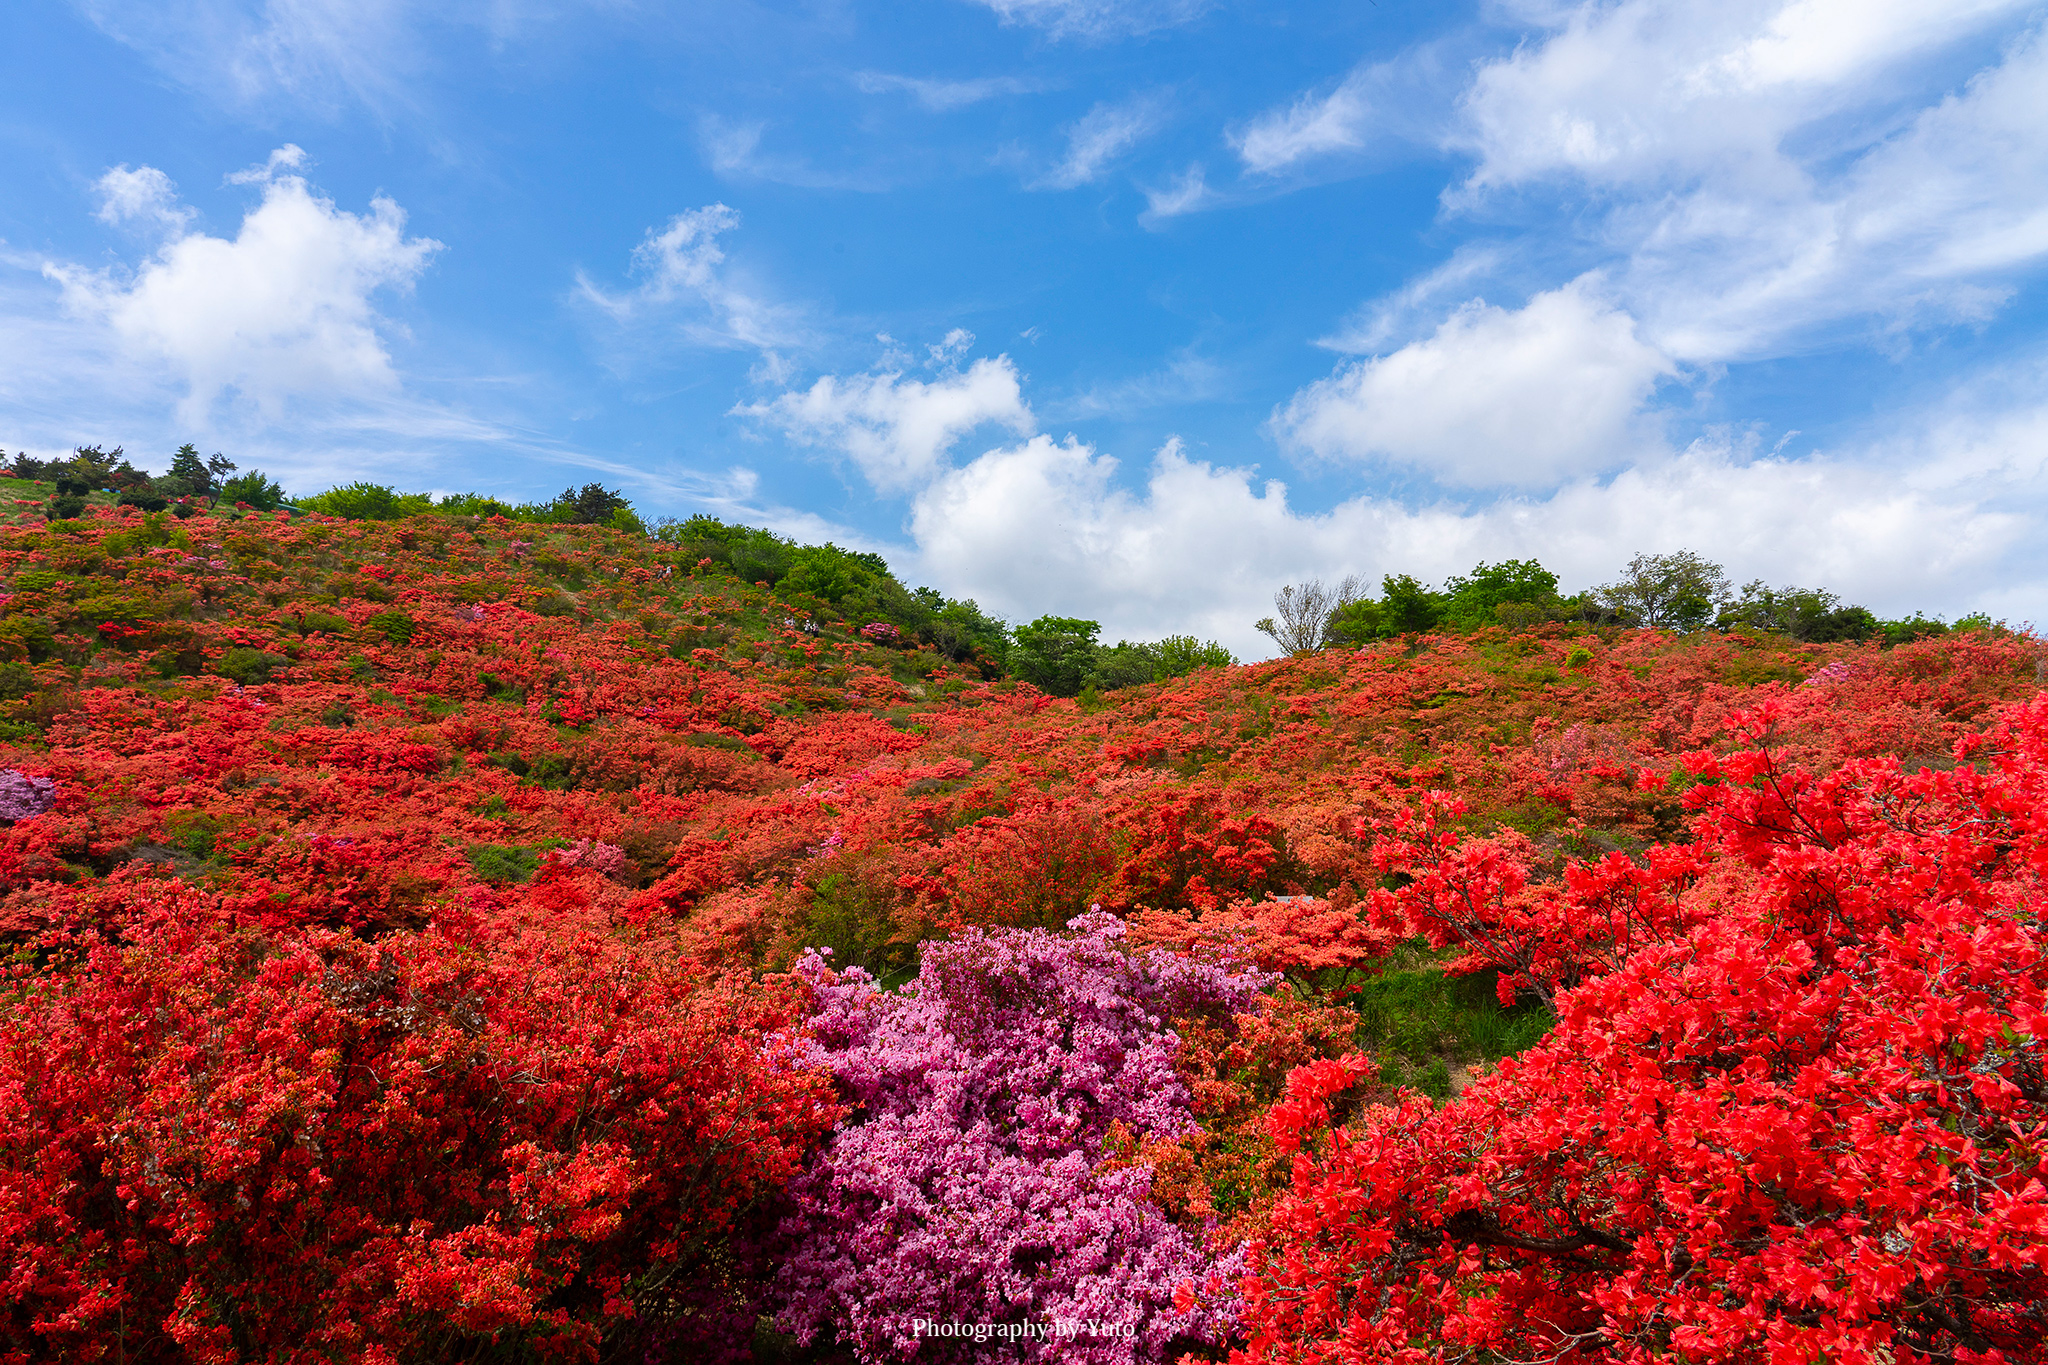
(965, 1189)
(22, 796)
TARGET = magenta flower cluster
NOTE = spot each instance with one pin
(881, 632)
(608, 859)
(966, 1186)
(22, 796)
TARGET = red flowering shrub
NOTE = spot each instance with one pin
(221, 1146)
(1802, 1124)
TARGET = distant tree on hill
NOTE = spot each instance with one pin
(1303, 613)
(1055, 654)
(1680, 591)
(1803, 613)
(263, 494)
(591, 505)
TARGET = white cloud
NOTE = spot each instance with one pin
(898, 430)
(1646, 89)
(1101, 137)
(1188, 192)
(1043, 527)
(1098, 19)
(944, 95)
(242, 51)
(144, 195)
(1383, 107)
(1040, 527)
(1368, 330)
(682, 266)
(1520, 398)
(282, 310)
(1187, 378)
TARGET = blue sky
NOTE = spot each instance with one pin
(1129, 309)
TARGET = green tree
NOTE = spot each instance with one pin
(1680, 591)
(590, 505)
(190, 470)
(1055, 654)
(1803, 613)
(253, 488)
(1476, 598)
(368, 502)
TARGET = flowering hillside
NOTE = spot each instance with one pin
(410, 928)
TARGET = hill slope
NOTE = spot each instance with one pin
(566, 801)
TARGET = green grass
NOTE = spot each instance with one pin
(1422, 1022)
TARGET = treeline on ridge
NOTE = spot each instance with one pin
(1681, 591)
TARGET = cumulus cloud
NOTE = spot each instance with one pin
(144, 195)
(1044, 526)
(1101, 138)
(684, 278)
(1769, 169)
(898, 430)
(284, 309)
(1521, 398)
(1098, 19)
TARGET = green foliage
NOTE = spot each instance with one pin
(1680, 591)
(1803, 613)
(1131, 664)
(253, 488)
(1475, 600)
(829, 573)
(367, 502)
(395, 626)
(248, 666)
(591, 505)
(503, 862)
(1055, 654)
(16, 681)
(857, 922)
(1420, 1017)
(311, 622)
(197, 832)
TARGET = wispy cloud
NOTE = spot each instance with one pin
(1187, 192)
(1099, 20)
(1102, 137)
(1383, 108)
(684, 281)
(898, 429)
(943, 95)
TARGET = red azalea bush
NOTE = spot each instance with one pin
(1804, 1120)
(220, 1145)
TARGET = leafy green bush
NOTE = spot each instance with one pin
(253, 488)
(395, 626)
(16, 681)
(312, 621)
(367, 502)
(248, 666)
(503, 862)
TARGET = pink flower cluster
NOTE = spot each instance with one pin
(609, 859)
(22, 796)
(1838, 671)
(881, 632)
(966, 1187)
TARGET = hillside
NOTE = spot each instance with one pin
(410, 922)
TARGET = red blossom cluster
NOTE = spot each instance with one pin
(397, 910)
(1795, 1112)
